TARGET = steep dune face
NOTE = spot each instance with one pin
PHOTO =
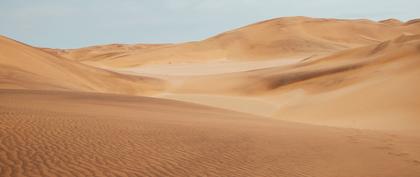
(403, 50)
(64, 134)
(399, 54)
(25, 67)
(380, 91)
(272, 39)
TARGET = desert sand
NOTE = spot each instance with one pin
(47, 133)
(281, 97)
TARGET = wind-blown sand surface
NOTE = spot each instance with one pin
(79, 134)
(281, 97)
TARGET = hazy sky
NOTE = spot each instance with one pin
(78, 23)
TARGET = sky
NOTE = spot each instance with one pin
(80, 23)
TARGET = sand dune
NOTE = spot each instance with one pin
(293, 96)
(402, 50)
(26, 67)
(63, 134)
(384, 76)
(380, 91)
(102, 52)
(271, 39)
(292, 90)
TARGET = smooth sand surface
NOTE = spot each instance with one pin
(209, 68)
(47, 133)
(276, 98)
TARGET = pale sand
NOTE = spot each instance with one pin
(248, 105)
(210, 68)
(47, 133)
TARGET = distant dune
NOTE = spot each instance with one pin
(26, 67)
(291, 96)
(102, 52)
(271, 39)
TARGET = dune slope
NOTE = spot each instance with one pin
(26, 67)
(62, 134)
(402, 52)
(379, 91)
(384, 76)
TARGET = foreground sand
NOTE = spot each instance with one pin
(80, 134)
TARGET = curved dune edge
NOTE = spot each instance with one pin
(46, 133)
(25, 67)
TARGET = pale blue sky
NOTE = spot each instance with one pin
(78, 23)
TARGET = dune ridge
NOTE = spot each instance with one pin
(271, 39)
